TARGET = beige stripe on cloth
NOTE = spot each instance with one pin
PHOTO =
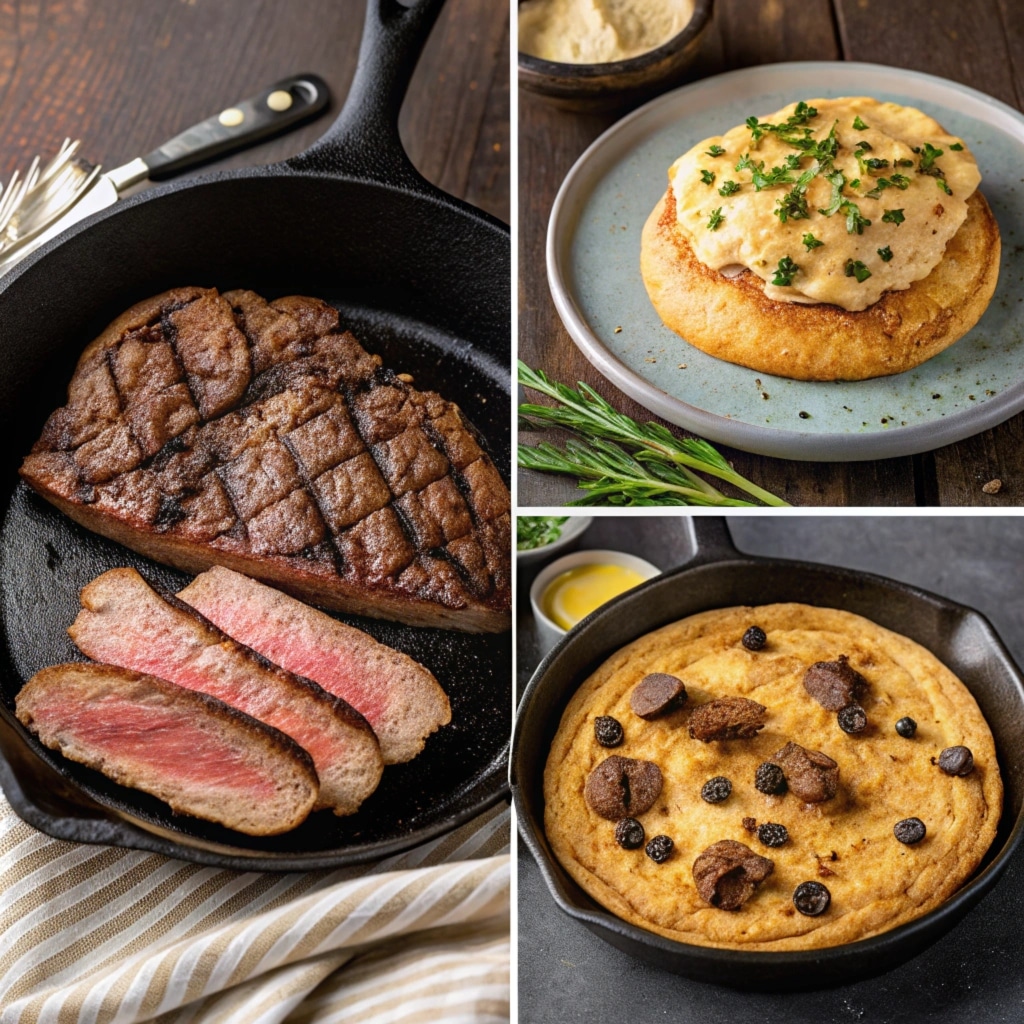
(101, 935)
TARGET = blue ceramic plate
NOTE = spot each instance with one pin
(593, 255)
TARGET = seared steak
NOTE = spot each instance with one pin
(125, 622)
(400, 699)
(205, 429)
(189, 750)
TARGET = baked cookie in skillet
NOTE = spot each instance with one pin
(770, 802)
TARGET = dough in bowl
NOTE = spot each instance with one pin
(845, 842)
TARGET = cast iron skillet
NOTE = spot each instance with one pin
(421, 278)
(719, 576)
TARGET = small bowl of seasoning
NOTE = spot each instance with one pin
(588, 55)
(573, 586)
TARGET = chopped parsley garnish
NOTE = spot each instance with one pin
(864, 146)
(769, 179)
(744, 163)
(715, 150)
(859, 124)
(855, 183)
(854, 268)
(929, 154)
(855, 223)
(893, 217)
(793, 161)
(900, 181)
(885, 253)
(729, 188)
(784, 275)
(875, 164)
(837, 180)
(810, 242)
(715, 219)
(708, 177)
(904, 163)
(941, 182)
(757, 129)
(957, 146)
(793, 205)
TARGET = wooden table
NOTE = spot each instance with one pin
(124, 77)
(979, 43)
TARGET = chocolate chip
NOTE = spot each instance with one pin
(629, 834)
(770, 779)
(811, 898)
(607, 731)
(750, 824)
(852, 719)
(621, 786)
(906, 727)
(909, 830)
(715, 790)
(833, 684)
(727, 718)
(656, 695)
(659, 849)
(811, 775)
(727, 873)
(754, 639)
(956, 761)
(772, 834)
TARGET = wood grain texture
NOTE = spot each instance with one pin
(981, 44)
(126, 76)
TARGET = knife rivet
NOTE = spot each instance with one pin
(231, 117)
(279, 100)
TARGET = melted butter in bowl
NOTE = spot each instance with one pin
(572, 587)
(579, 591)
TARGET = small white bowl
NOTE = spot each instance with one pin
(549, 632)
(572, 529)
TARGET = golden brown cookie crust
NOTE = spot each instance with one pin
(876, 882)
(732, 319)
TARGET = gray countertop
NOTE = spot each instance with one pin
(975, 973)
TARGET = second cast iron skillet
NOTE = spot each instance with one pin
(719, 576)
(419, 277)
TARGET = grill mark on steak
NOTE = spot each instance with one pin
(327, 475)
(329, 544)
(170, 333)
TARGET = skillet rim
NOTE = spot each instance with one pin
(687, 958)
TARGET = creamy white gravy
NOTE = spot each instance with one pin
(911, 218)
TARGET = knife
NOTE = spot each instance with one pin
(277, 109)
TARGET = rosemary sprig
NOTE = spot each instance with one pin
(652, 466)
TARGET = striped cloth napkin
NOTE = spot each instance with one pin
(98, 934)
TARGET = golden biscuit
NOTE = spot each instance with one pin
(844, 841)
(731, 317)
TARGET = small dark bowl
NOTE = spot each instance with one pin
(717, 577)
(617, 83)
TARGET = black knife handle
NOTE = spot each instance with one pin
(278, 108)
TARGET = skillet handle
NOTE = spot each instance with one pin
(364, 142)
(711, 539)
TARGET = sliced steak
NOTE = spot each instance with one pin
(125, 622)
(195, 753)
(205, 429)
(400, 699)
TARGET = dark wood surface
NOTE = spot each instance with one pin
(125, 76)
(980, 44)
